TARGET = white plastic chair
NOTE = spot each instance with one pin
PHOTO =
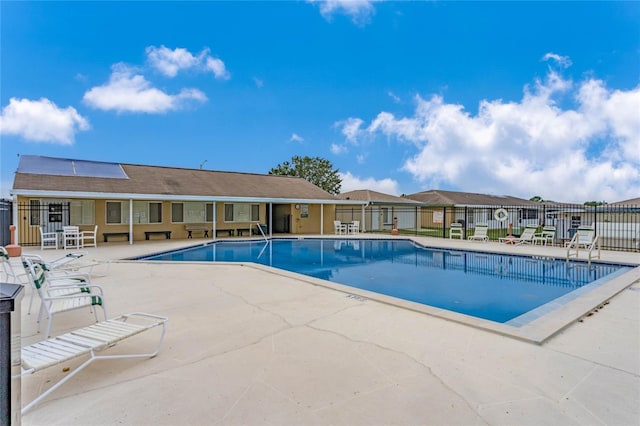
(88, 238)
(480, 233)
(48, 237)
(71, 237)
(339, 227)
(354, 227)
(455, 231)
(7, 268)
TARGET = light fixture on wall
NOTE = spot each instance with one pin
(297, 206)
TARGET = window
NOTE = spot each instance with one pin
(386, 217)
(34, 212)
(82, 212)
(191, 212)
(241, 212)
(528, 214)
(117, 212)
(177, 212)
(147, 212)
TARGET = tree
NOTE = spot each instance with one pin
(318, 171)
(536, 199)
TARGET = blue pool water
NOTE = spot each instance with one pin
(495, 287)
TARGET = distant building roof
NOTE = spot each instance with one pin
(374, 197)
(624, 203)
(45, 175)
(453, 198)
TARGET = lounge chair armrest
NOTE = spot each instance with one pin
(100, 291)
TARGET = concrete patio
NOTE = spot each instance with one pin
(248, 346)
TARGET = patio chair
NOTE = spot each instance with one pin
(46, 238)
(71, 237)
(354, 227)
(455, 231)
(62, 295)
(7, 267)
(525, 238)
(339, 227)
(88, 341)
(88, 238)
(547, 236)
(480, 233)
(585, 238)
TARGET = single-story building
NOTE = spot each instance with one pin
(445, 207)
(379, 211)
(137, 202)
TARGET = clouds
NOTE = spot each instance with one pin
(126, 91)
(587, 151)
(41, 121)
(129, 92)
(352, 183)
(170, 62)
(360, 11)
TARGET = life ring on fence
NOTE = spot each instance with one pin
(501, 215)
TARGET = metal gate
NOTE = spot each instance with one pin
(51, 215)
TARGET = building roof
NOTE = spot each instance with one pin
(54, 176)
(453, 198)
(373, 197)
(626, 203)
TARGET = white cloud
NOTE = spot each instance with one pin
(259, 83)
(563, 61)
(41, 121)
(351, 128)
(530, 147)
(130, 92)
(296, 138)
(360, 11)
(217, 66)
(169, 62)
(352, 183)
(394, 97)
(338, 149)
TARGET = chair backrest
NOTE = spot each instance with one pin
(481, 230)
(585, 235)
(528, 232)
(549, 231)
(35, 274)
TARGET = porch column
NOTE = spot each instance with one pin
(362, 223)
(321, 219)
(215, 221)
(130, 221)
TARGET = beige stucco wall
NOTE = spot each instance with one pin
(299, 224)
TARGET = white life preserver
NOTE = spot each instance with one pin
(501, 215)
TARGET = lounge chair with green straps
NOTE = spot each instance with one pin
(66, 295)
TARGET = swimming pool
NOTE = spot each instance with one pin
(496, 287)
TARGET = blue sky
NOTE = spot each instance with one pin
(506, 98)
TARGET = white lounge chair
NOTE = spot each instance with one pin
(585, 238)
(7, 267)
(46, 238)
(88, 341)
(525, 238)
(64, 295)
(480, 233)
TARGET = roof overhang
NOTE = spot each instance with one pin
(167, 197)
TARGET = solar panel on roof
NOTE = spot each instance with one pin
(35, 164)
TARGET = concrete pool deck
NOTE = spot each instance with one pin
(245, 345)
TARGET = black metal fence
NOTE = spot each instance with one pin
(36, 215)
(5, 221)
(617, 227)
